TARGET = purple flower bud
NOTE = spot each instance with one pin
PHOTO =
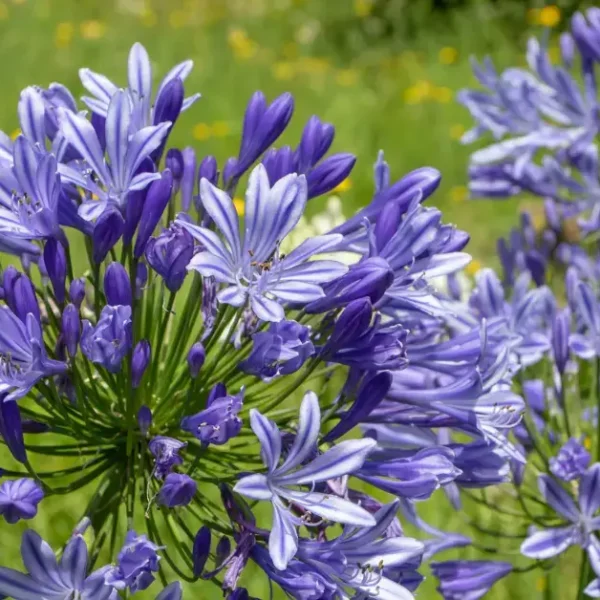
(208, 170)
(567, 49)
(169, 254)
(136, 564)
(571, 461)
(139, 361)
(169, 102)
(99, 125)
(55, 261)
(195, 359)
(229, 169)
(77, 291)
(172, 592)
(239, 594)
(317, 138)
(19, 499)
(222, 551)
(188, 178)
(174, 162)
(141, 278)
(177, 490)
(82, 527)
(561, 326)
(279, 162)
(587, 34)
(381, 173)
(201, 550)
(107, 231)
(166, 452)
(159, 194)
(369, 278)
(11, 429)
(262, 126)
(117, 287)
(218, 422)
(135, 203)
(329, 173)
(71, 328)
(19, 294)
(144, 419)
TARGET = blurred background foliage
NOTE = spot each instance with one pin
(384, 72)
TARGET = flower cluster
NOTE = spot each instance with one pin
(167, 371)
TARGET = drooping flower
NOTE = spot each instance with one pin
(166, 453)
(177, 490)
(280, 484)
(571, 461)
(462, 579)
(251, 265)
(136, 564)
(49, 578)
(19, 499)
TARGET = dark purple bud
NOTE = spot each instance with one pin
(11, 429)
(135, 203)
(223, 551)
(99, 125)
(262, 126)
(19, 294)
(167, 108)
(107, 231)
(144, 419)
(140, 360)
(387, 224)
(208, 170)
(71, 328)
(229, 169)
(117, 287)
(177, 490)
(278, 163)
(239, 594)
(381, 172)
(201, 550)
(369, 278)
(352, 322)
(567, 49)
(561, 327)
(317, 138)
(174, 162)
(141, 278)
(195, 359)
(166, 452)
(329, 173)
(169, 254)
(159, 194)
(77, 291)
(55, 261)
(188, 178)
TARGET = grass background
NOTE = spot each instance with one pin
(385, 72)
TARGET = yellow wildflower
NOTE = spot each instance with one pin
(363, 8)
(148, 17)
(549, 16)
(63, 36)
(442, 94)
(220, 129)
(283, 70)
(473, 267)
(541, 583)
(343, 186)
(587, 442)
(239, 206)
(459, 193)
(448, 55)
(92, 30)
(243, 47)
(15, 134)
(201, 132)
(347, 77)
(417, 92)
(457, 131)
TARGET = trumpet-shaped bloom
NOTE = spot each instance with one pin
(250, 264)
(282, 484)
(49, 579)
(19, 499)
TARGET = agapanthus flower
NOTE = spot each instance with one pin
(19, 499)
(177, 490)
(136, 564)
(251, 265)
(49, 578)
(462, 579)
(282, 482)
(571, 461)
(166, 453)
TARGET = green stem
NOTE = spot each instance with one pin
(584, 575)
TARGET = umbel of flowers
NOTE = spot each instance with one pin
(226, 397)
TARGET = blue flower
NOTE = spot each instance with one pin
(280, 350)
(23, 359)
(177, 490)
(251, 265)
(19, 499)
(49, 578)
(571, 462)
(219, 421)
(546, 543)
(468, 579)
(166, 453)
(136, 564)
(139, 91)
(280, 484)
(108, 342)
(586, 343)
(110, 181)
